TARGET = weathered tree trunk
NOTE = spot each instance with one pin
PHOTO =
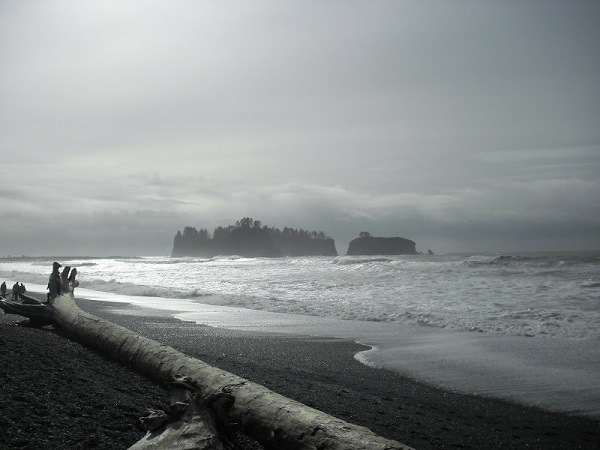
(272, 419)
(37, 313)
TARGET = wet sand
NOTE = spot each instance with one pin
(319, 372)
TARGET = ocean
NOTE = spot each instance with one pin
(522, 326)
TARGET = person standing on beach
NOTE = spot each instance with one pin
(15, 291)
(22, 291)
(3, 289)
(73, 283)
(54, 286)
(64, 279)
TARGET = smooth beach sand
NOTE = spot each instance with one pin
(319, 372)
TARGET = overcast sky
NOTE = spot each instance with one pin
(462, 125)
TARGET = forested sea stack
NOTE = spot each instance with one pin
(249, 238)
(369, 245)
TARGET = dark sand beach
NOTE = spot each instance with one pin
(56, 393)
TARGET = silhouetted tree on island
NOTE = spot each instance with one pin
(248, 237)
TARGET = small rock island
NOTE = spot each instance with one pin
(366, 244)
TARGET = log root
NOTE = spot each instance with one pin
(198, 422)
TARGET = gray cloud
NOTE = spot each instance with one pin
(464, 126)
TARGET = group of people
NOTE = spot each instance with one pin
(58, 283)
(18, 290)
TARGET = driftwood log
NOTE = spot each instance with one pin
(273, 420)
(38, 313)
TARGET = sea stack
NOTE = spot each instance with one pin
(369, 245)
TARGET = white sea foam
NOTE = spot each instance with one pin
(527, 295)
